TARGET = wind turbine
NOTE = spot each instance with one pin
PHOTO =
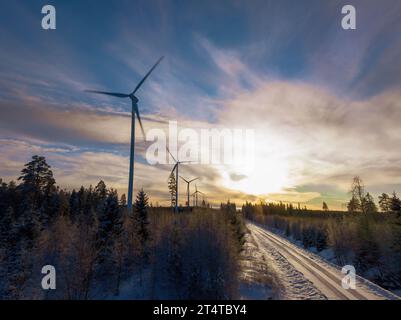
(134, 111)
(188, 182)
(177, 163)
(196, 194)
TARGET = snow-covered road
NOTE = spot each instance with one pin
(304, 275)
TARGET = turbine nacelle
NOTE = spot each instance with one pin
(133, 98)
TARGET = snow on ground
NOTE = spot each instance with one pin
(329, 258)
(255, 279)
(289, 283)
(304, 275)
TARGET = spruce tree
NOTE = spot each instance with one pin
(110, 225)
(141, 216)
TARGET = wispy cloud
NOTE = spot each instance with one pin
(324, 102)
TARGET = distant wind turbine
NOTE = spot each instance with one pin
(196, 195)
(135, 111)
(188, 182)
(177, 163)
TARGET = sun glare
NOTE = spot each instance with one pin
(266, 175)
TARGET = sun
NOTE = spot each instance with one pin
(266, 175)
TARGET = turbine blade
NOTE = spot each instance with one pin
(174, 168)
(185, 180)
(114, 94)
(171, 154)
(193, 179)
(147, 75)
(172, 171)
(135, 107)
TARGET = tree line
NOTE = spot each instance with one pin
(363, 236)
(363, 202)
(42, 223)
(102, 251)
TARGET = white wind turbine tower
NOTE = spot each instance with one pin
(188, 182)
(196, 194)
(134, 111)
(177, 163)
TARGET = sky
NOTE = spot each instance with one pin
(324, 102)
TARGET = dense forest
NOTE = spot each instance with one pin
(101, 251)
(366, 236)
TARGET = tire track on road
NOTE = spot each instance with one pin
(321, 279)
(330, 275)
